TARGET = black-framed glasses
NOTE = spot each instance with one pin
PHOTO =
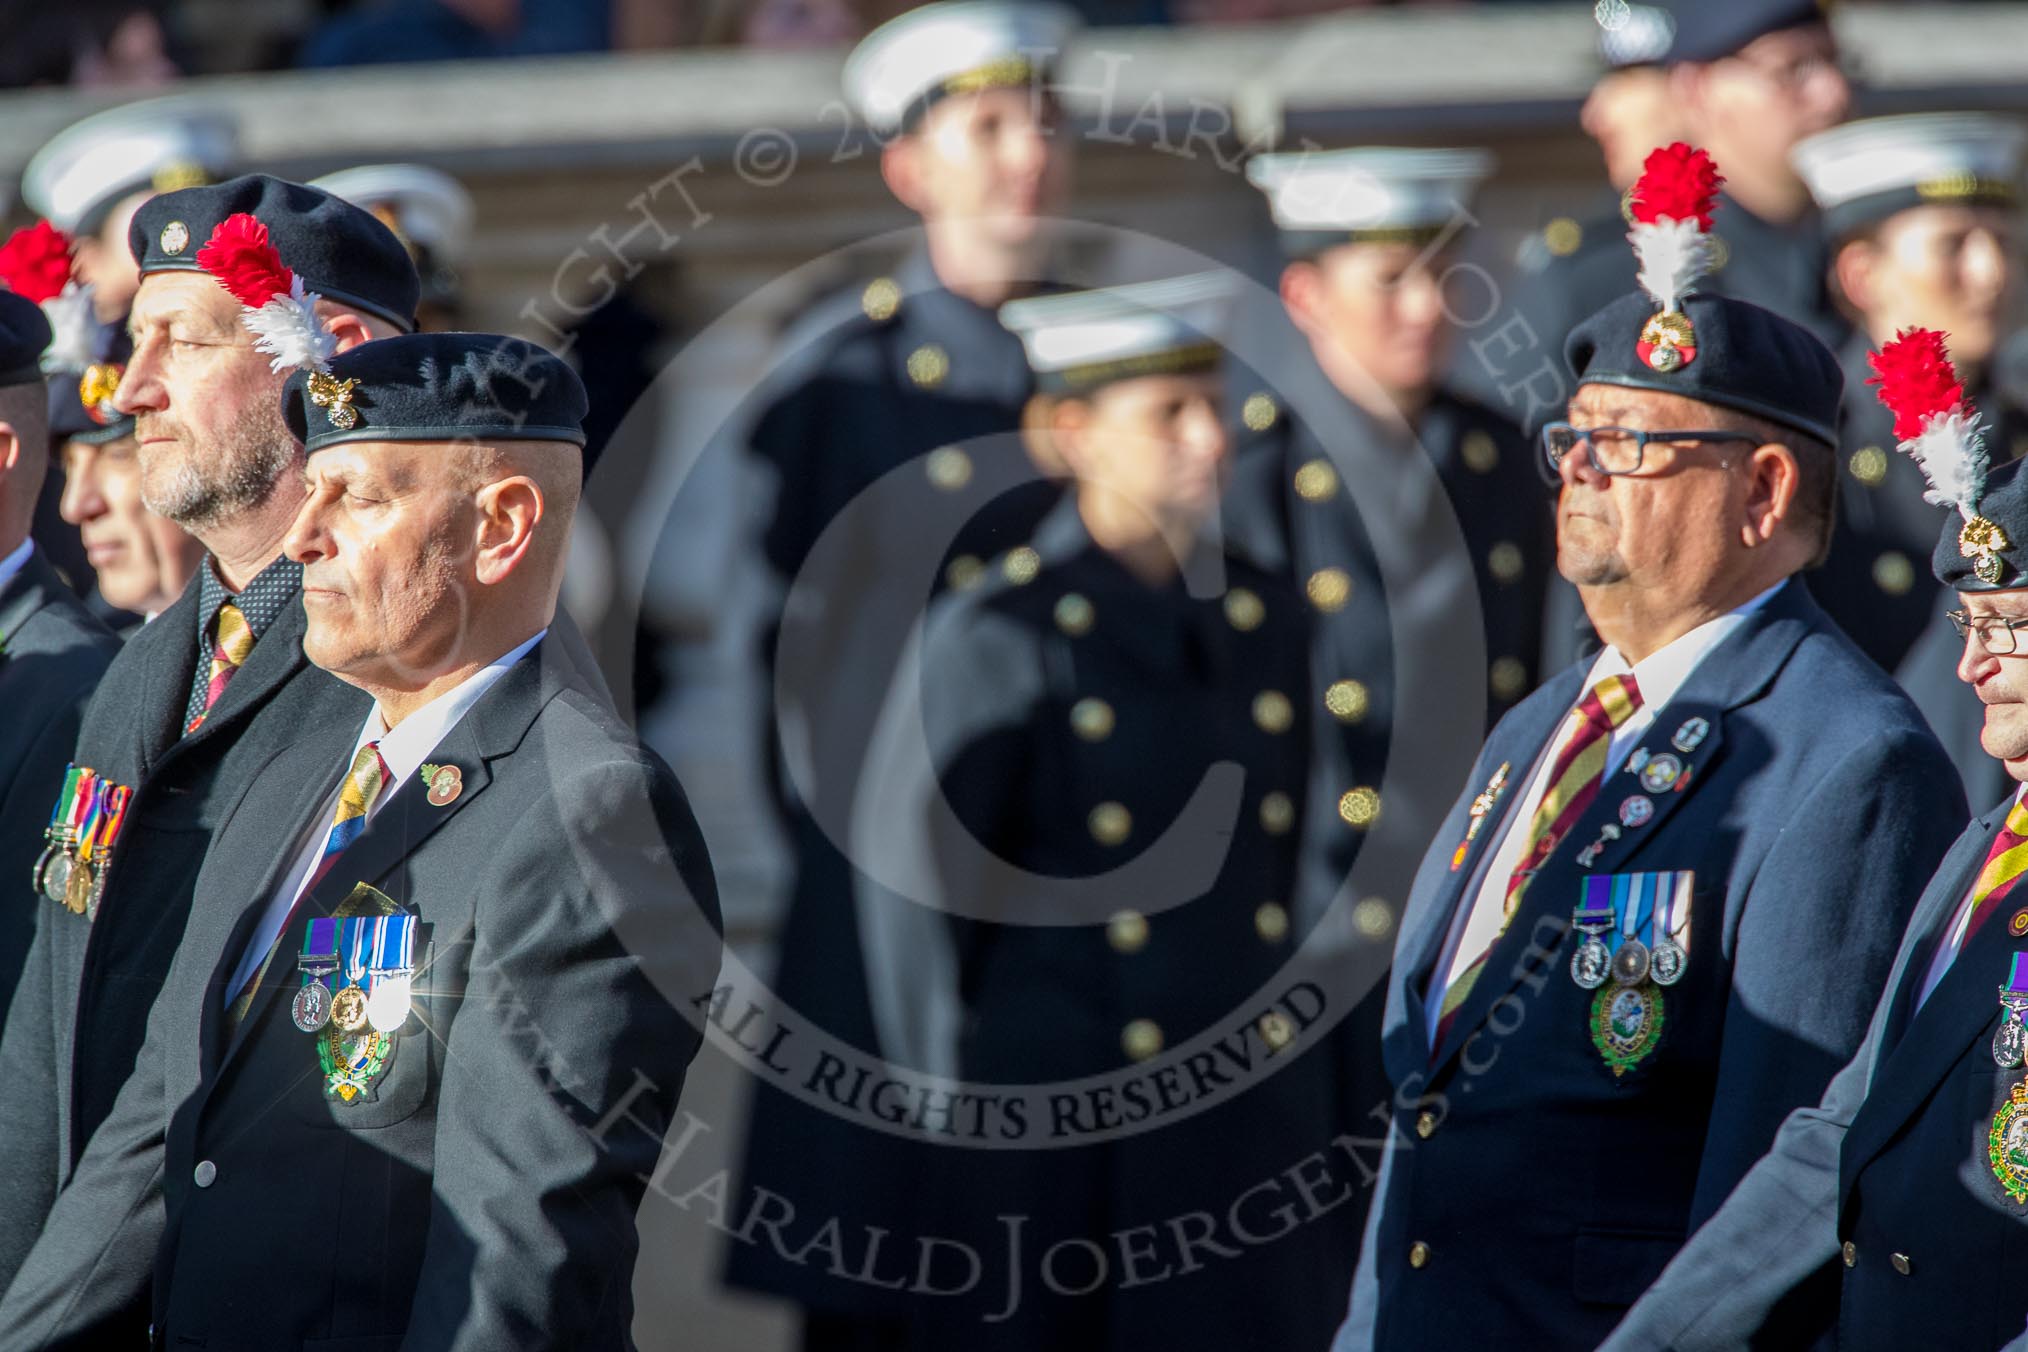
(1618, 450)
(1997, 634)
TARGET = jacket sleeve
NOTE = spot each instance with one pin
(595, 949)
(28, 1122)
(1822, 920)
(92, 1262)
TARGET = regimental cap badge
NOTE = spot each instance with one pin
(1937, 426)
(334, 396)
(96, 388)
(1670, 210)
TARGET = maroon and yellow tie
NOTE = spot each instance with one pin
(231, 644)
(1574, 780)
(363, 783)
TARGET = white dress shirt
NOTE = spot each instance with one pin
(1660, 675)
(11, 565)
(403, 748)
(1947, 951)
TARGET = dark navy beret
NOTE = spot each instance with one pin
(1709, 29)
(342, 252)
(475, 388)
(1744, 358)
(2004, 505)
(24, 333)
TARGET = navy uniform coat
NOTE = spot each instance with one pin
(1076, 715)
(487, 1189)
(908, 386)
(1886, 1182)
(82, 1008)
(1297, 506)
(1534, 1195)
(52, 654)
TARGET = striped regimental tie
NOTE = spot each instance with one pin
(362, 787)
(1574, 780)
(232, 642)
(2005, 862)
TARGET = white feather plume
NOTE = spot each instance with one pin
(288, 330)
(1951, 451)
(1672, 255)
(72, 328)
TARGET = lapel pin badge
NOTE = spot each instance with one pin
(446, 783)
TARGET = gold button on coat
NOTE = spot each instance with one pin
(1243, 610)
(1901, 1263)
(1127, 932)
(1277, 813)
(1074, 614)
(1347, 700)
(1110, 823)
(1425, 1125)
(1271, 922)
(1851, 1253)
(1418, 1254)
(1142, 1039)
(1272, 711)
(1092, 719)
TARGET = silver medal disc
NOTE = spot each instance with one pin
(1591, 964)
(1631, 963)
(1665, 964)
(56, 877)
(2010, 1042)
(312, 1007)
(49, 852)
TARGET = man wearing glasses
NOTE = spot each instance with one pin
(1660, 914)
(1908, 1181)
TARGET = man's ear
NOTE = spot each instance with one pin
(901, 168)
(1774, 478)
(1302, 290)
(348, 328)
(1855, 267)
(509, 511)
(10, 449)
(1068, 420)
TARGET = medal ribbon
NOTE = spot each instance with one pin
(60, 816)
(94, 814)
(2017, 976)
(1574, 779)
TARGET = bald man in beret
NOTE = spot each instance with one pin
(412, 1066)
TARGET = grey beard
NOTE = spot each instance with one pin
(237, 479)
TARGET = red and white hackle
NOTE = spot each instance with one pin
(275, 307)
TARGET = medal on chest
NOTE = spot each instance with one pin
(1636, 929)
(90, 812)
(371, 957)
(2007, 1141)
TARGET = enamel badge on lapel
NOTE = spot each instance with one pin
(1691, 735)
(1636, 932)
(446, 783)
(1481, 806)
(1607, 834)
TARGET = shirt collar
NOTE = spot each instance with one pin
(261, 602)
(404, 747)
(12, 564)
(1662, 673)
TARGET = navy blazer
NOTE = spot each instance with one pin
(1886, 1181)
(1538, 1192)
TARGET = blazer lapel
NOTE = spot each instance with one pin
(167, 689)
(1957, 1011)
(401, 825)
(1604, 839)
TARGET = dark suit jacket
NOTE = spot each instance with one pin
(1893, 1161)
(487, 1190)
(1550, 1192)
(52, 654)
(80, 1014)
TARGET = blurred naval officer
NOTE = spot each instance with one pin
(1660, 914)
(142, 561)
(411, 1066)
(1922, 213)
(889, 429)
(209, 690)
(1079, 704)
(1908, 1183)
(431, 213)
(87, 182)
(1362, 438)
(52, 650)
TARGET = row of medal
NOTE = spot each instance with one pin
(71, 870)
(369, 960)
(1646, 918)
(2007, 1142)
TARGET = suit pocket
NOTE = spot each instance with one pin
(1613, 1267)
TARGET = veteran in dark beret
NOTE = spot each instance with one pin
(1119, 699)
(204, 694)
(436, 986)
(1661, 911)
(53, 652)
(1922, 214)
(1893, 1210)
(889, 425)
